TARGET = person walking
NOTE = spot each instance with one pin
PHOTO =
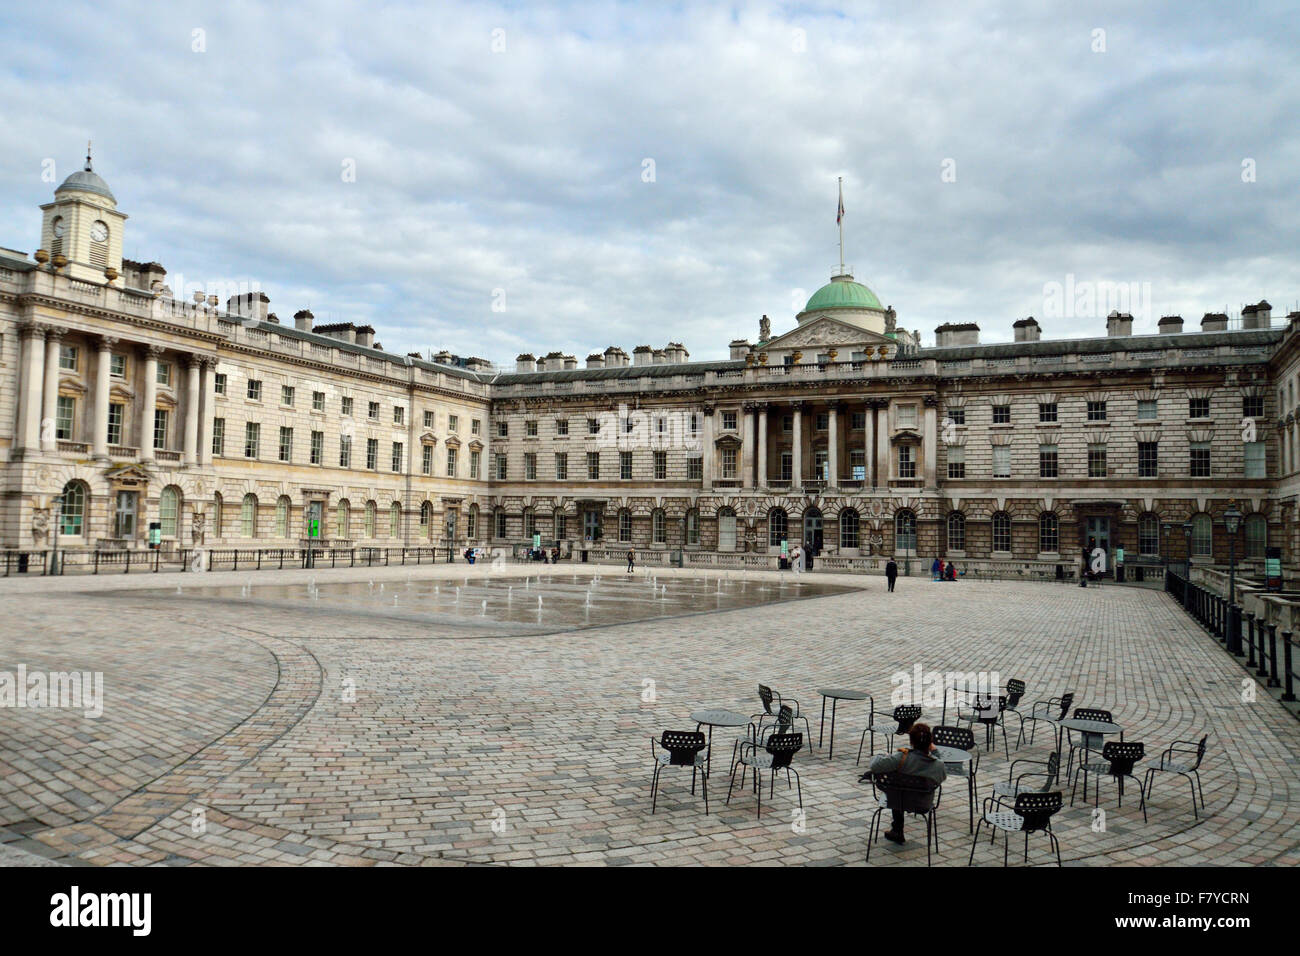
(916, 760)
(796, 559)
(891, 573)
(935, 568)
(631, 560)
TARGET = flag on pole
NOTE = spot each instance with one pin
(839, 215)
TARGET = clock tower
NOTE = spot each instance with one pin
(83, 226)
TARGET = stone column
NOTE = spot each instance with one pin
(884, 461)
(796, 457)
(747, 450)
(869, 446)
(50, 392)
(31, 377)
(708, 449)
(149, 393)
(762, 447)
(207, 388)
(931, 439)
(193, 368)
(103, 388)
(833, 445)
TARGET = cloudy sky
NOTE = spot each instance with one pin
(637, 173)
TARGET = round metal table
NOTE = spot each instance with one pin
(836, 695)
(1098, 728)
(957, 755)
(716, 717)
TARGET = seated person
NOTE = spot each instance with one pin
(916, 760)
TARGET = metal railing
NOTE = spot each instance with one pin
(46, 562)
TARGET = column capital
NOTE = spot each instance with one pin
(53, 332)
(152, 351)
(708, 411)
(931, 401)
(107, 343)
(193, 361)
(32, 330)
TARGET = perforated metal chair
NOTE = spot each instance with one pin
(757, 734)
(1117, 760)
(1086, 742)
(777, 754)
(987, 711)
(962, 738)
(889, 724)
(1044, 779)
(907, 792)
(1051, 712)
(1032, 813)
(679, 748)
(772, 702)
(1182, 757)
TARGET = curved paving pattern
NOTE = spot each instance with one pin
(365, 740)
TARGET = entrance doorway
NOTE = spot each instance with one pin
(124, 514)
(726, 530)
(1097, 535)
(812, 531)
(591, 525)
(315, 512)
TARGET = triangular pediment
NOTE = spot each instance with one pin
(825, 330)
(128, 474)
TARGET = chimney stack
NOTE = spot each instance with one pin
(1170, 324)
(957, 333)
(1026, 330)
(526, 362)
(1214, 322)
(365, 335)
(596, 360)
(1258, 316)
(1119, 323)
(642, 355)
(250, 305)
(302, 320)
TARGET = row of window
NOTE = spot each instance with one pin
(1148, 409)
(1254, 462)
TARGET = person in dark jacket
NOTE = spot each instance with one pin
(891, 572)
(916, 760)
(631, 561)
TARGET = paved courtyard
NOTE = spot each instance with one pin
(318, 723)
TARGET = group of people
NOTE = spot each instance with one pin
(943, 570)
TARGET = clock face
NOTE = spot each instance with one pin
(99, 232)
(58, 227)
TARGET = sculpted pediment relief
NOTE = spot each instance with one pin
(827, 331)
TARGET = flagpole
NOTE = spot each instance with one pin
(839, 218)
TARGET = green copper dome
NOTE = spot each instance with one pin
(843, 294)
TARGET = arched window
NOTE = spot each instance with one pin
(395, 520)
(248, 516)
(530, 523)
(1256, 535)
(778, 527)
(500, 517)
(1049, 533)
(370, 519)
(726, 529)
(560, 524)
(426, 518)
(1148, 534)
(72, 520)
(956, 531)
(343, 519)
(1002, 532)
(216, 514)
(658, 531)
(905, 533)
(693, 527)
(1202, 535)
(624, 525)
(169, 507)
(471, 523)
(282, 517)
(849, 526)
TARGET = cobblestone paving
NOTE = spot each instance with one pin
(255, 734)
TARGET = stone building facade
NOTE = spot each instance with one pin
(122, 404)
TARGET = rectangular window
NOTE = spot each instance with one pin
(858, 464)
(373, 411)
(857, 420)
(318, 401)
(502, 466)
(164, 376)
(255, 389)
(317, 447)
(426, 460)
(1096, 411)
(1047, 411)
(345, 452)
(561, 466)
(503, 429)
(1096, 461)
(1252, 406)
(1047, 461)
(661, 464)
(1148, 409)
(1001, 414)
(345, 405)
(117, 369)
(786, 468)
(429, 419)
(906, 462)
(729, 421)
(593, 426)
(372, 454)
(68, 358)
(728, 463)
(561, 426)
(286, 395)
(1199, 459)
(475, 426)
(593, 465)
(957, 415)
(907, 416)
(1148, 459)
(1255, 460)
(252, 434)
(453, 424)
(451, 462)
(397, 456)
(399, 414)
(286, 444)
(1001, 461)
(1198, 408)
(956, 461)
(530, 466)
(625, 465)
(694, 469)
(530, 429)
(474, 459)
(63, 417)
(822, 421)
(218, 436)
